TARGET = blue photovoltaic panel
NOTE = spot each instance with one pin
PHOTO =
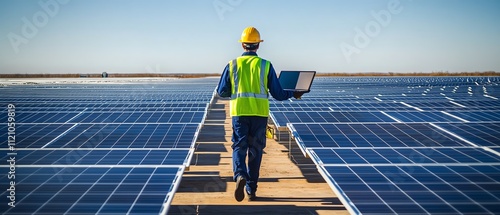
(43, 117)
(341, 106)
(462, 109)
(403, 156)
(94, 149)
(110, 98)
(439, 154)
(110, 117)
(299, 109)
(320, 100)
(475, 104)
(476, 116)
(481, 134)
(140, 117)
(420, 116)
(178, 157)
(109, 109)
(372, 135)
(108, 105)
(372, 109)
(410, 189)
(283, 104)
(105, 135)
(34, 135)
(448, 105)
(128, 136)
(412, 98)
(282, 118)
(93, 190)
(323, 99)
(437, 105)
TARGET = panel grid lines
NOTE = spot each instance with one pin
(437, 153)
(103, 148)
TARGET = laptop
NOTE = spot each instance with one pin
(299, 81)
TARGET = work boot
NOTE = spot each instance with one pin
(239, 193)
(251, 196)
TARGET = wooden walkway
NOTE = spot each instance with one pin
(286, 185)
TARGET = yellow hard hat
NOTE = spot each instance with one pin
(250, 35)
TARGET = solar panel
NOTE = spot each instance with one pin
(341, 106)
(403, 156)
(416, 189)
(364, 109)
(458, 108)
(92, 190)
(92, 99)
(108, 105)
(85, 157)
(480, 104)
(373, 104)
(280, 119)
(34, 135)
(478, 116)
(372, 135)
(422, 116)
(110, 117)
(35, 109)
(47, 117)
(88, 149)
(437, 105)
(107, 136)
(481, 134)
(299, 109)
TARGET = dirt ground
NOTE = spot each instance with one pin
(286, 186)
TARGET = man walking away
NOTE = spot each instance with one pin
(247, 80)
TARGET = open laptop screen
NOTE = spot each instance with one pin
(296, 80)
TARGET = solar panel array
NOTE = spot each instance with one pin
(100, 148)
(405, 145)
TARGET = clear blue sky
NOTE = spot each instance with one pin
(200, 36)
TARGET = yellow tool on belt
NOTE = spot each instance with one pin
(269, 132)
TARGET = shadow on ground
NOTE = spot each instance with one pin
(305, 164)
(203, 181)
(212, 159)
(211, 133)
(249, 209)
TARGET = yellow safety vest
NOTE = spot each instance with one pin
(249, 92)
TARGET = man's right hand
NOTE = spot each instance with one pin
(298, 95)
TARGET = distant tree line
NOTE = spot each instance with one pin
(201, 75)
(112, 75)
(445, 73)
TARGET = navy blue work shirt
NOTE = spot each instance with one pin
(273, 84)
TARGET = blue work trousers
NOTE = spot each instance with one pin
(249, 137)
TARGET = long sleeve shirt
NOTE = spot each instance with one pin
(273, 84)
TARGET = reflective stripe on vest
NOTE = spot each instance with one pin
(235, 77)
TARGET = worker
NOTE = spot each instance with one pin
(247, 80)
